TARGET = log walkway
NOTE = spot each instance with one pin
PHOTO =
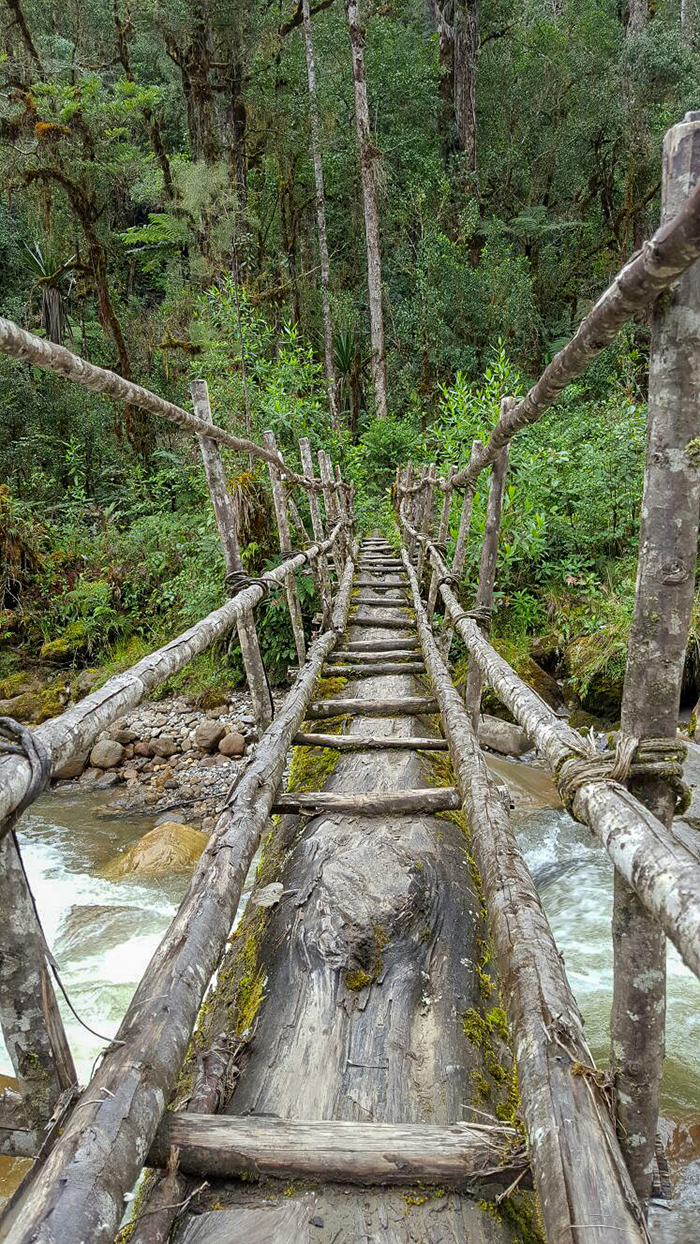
(386, 1047)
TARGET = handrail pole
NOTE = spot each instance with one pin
(280, 504)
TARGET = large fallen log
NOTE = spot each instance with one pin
(462, 1155)
(79, 1194)
(75, 731)
(577, 1164)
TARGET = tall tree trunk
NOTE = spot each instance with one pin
(466, 51)
(368, 154)
(637, 14)
(321, 219)
(688, 20)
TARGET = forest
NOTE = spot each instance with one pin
(361, 223)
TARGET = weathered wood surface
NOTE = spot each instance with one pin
(380, 600)
(383, 620)
(31, 1021)
(263, 707)
(290, 583)
(392, 898)
(371, 671)
(656, 657)
(370, 742)
(442, 799)
(577, 1165)
(79, 1193)
(340, 1151)
(460, 554)
(307, 463)
(75, 731)
(650, 857)
(384, 585)
(413, 705)
(358, 659)
(487, 564)
(670, 252)
(443, 533)
(379, 645)
(20, 344)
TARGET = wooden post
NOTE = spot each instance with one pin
(280, 504)
(29, 1014)
(343, 511)
(226, 522)
(324, 579)
(665, 585)
(426, 514)
(443, 532)
(487, 567)
(329, 501)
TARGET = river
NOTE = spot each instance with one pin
(103, 934)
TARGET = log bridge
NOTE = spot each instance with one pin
(386, 1046)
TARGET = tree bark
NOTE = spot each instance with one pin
(466, 51)
(658, 639)
(369, 742)
(487, 570)
(414, 705)
(368, 155)
(444, 799)
(321, 229)
(637, 14)
(324, 581)
(280, 504)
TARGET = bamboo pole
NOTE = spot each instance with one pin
(263, 708)
(324, 580)
(31, 1021)
(443, 533)
(578, 1169)
(279, 501)
(487, 568)
(657, 644)
(107, 1138)
(75, 731)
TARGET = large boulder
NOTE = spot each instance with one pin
(164, 747)
(72, 768)
(25, 707)
(106, 754)
(170, 847)
(502, 736)
(232, 744)
(208, 735)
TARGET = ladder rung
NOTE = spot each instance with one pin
(361, 620)
(406, 706)
(430, 799)
(379, 645)
(381, 587)
(373, 671)
(370, 742)
(368, 657)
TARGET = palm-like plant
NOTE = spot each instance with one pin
(53, 276)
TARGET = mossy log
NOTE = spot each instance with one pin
(367, 966)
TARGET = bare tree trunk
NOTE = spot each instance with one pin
(688, 20)
(321, 219)
(637, 14)
(368, 154)
(466, 51)
(665, 586)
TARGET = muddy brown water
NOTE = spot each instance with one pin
(103, 934)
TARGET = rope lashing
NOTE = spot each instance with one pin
(286, 554)
(481, 614)
(632, 759)
(18, 740)
(237, 581)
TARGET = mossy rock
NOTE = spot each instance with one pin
(533, 674)
(170, 847)
(581, 720)
(603, 697)
(66, 647)
(52, 702)
(16, 684)
(25, 707)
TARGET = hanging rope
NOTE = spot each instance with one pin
(632, 760)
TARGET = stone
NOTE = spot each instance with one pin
(86, 681)
(164, 746)
(232, 744)
(171, 784)
(173, 814)
(106, 780)
(503, 737)
(143, 749)
(124, 736)
(208, 735)
(72, 768)
(169, 847)
(25, 707)
(130, 775)
(106, 754)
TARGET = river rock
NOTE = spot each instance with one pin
(86, 680)
(124, 736)
(164, 746)
(170, 847)
(72, 768)
(106, 780)
(143, 749)
(232, 744)
(106, 754)
(502, 736)
(208, 735)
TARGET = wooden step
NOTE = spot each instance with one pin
(382, 621)
(373, 671)
(458, 1156)
(370, 742)
(374, 803)
(348, 655)
(379, 600)
(382, 587)
(406, 706)
(379, 645)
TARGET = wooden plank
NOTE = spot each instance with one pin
(391, 623)
(431, 799)
(411, 705)
(370, 742)
(351, 657)
(379, 645)
(461, 1156)
(380, 587)
(373, 670)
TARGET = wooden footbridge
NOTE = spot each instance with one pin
(386, 1048)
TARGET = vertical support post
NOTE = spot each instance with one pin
(414, 505)
(280, 504)
(343, 512)
(426, 517)
(487, 569)
(226, 523)
(324, 579)
(443, 532)
(656, 655)
(29, 1015)
(460, 555)
(329, 501)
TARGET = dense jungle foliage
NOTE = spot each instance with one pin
(158, 216)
